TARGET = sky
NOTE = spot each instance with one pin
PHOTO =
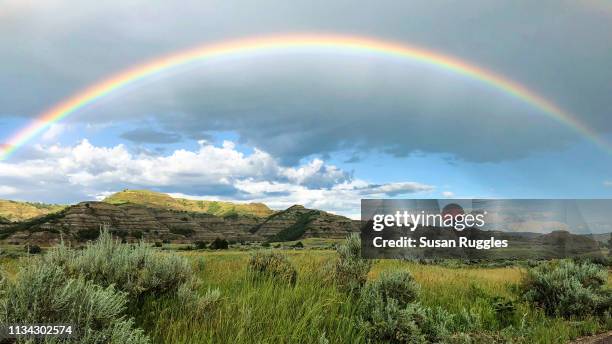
(308, 127)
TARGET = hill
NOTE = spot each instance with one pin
(153, 199)
(20, 211)
(129, 221)
(297, 222)
(603, 238)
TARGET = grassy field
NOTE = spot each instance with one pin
(315, 311)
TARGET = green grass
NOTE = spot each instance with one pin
(23, 211)
(266, 312)
(163, 201)
(258, 311)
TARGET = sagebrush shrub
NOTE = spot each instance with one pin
(387, 322)
(389, 312)
(565, 288)
(272, 265)
(396, 284)
(41, 294)
(350, 269)
(484, 337)
(195, 304)
(136, 269)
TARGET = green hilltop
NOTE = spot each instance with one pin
(160, 200)
(20, 211)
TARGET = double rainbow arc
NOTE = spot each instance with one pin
(275, 44)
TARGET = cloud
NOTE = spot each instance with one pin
(316, 174)
(607, 183)
(295, 105)
(394, 189)
(344, 198)
(294, 108)
(84, 171)
(7, 190)
(54, 131)
(448, 194)
(145, 135)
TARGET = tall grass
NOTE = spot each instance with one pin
(271, 312)
(482, 302)
(259, 311)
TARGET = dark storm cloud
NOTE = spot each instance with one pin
(353, 159)
(300, 108)
(277, 193)
(394, 190)
(144, 135)
(306, 105)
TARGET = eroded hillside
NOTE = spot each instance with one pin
(83, 221)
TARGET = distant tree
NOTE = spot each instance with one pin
(88, 234)
(298, 245)
(200, 245)
(219, 244)
(33, 249)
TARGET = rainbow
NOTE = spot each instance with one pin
(276, 44)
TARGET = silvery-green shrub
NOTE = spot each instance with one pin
(41, 294)
(387, 322)
(136, 269)
(195, 304)
(389, 312)
(350, 269)
(396, 284)
(565, 288)
(268, 264)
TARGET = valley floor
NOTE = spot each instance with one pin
(314, 311)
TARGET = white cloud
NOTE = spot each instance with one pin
(316, 173)
(7, 190)
(84, 171)
(343, 198)
(607, 183)
(448, 194)
(54, 131)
